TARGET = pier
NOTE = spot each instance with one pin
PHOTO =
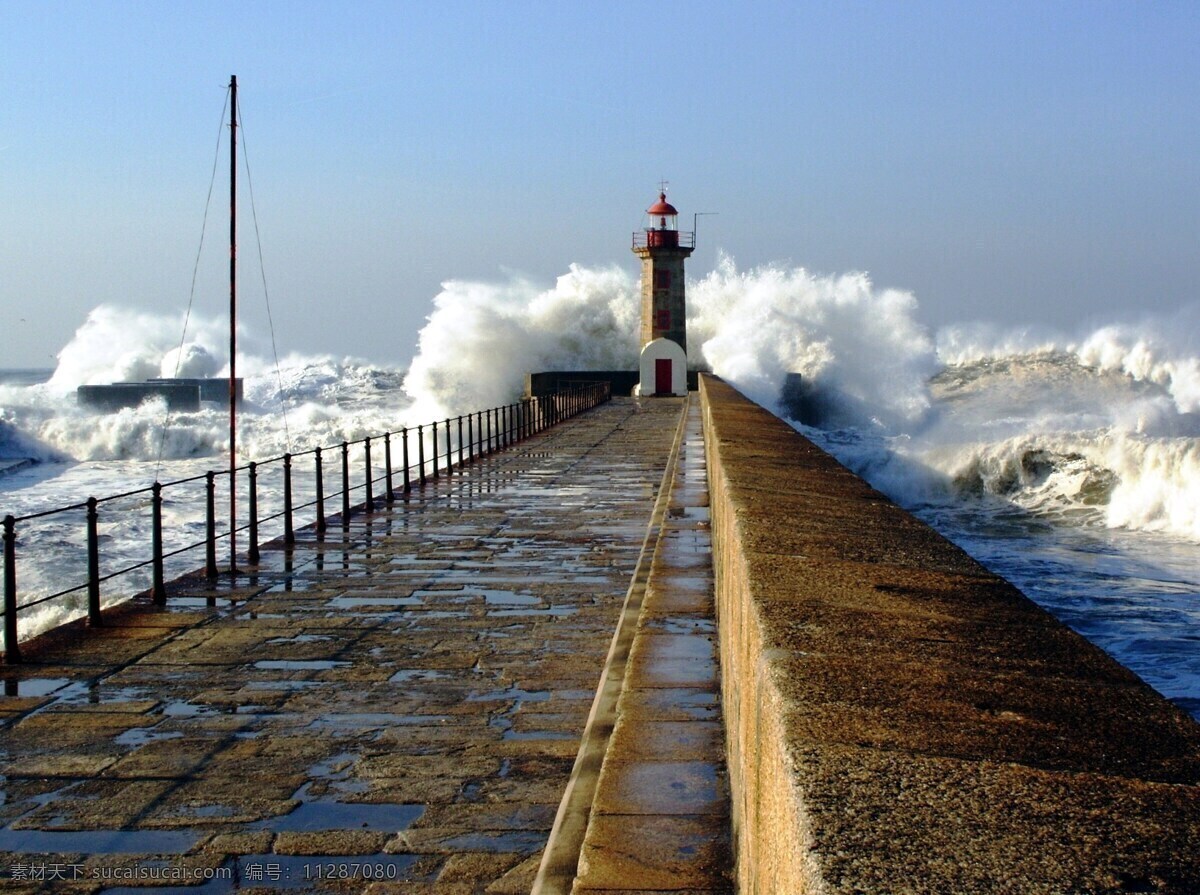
(666, 645)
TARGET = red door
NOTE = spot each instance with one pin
(662, 376)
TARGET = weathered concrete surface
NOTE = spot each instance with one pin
(407, 693)
(661, 815)
(900, 720)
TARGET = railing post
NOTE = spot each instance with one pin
(252, 555)
(93, 562)
(505, 441)
(404, 459)
(370, 485)
(210, 525)
(387, 463)
(421, 455)
(289, 528)
(449, 449)
(158, 592)
(12, 652)
(491, 427)
(470, 436)
(461, 458)
(320, 493)
(345, 484)
(434, 426)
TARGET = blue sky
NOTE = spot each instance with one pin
(1021, 163)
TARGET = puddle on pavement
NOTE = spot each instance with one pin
(299, 664)
(140, 736)
(98, 842)
(188, 710)
(34, 686)
(683, 625)
(291, 586)
(326, 814)
(222, 604)
(319, 814)
(657, 648)
(408, 675)
(336, 772)
(336, 767)
(506, 597)
(97, 694)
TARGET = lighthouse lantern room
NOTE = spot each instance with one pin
(663, 249)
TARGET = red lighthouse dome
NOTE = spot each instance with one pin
(662, 208)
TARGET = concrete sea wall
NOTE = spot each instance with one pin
(901, 720)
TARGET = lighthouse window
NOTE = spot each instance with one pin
(662, 279)
(663, 320)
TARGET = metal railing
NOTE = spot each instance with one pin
(440, 448)
(664, 239)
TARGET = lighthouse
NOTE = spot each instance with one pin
(663, 249)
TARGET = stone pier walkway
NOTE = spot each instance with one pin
(395, 708)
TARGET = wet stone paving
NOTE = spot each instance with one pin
(394, 707)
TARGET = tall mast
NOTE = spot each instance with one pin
(233, 105)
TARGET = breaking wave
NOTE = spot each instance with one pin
(1103, 427)
(308, 400)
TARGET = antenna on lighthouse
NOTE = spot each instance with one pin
(698, 214)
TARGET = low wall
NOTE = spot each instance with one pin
(622, 381)
(901, 720)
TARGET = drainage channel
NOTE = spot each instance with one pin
(658, 810)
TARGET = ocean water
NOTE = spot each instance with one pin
(1068, 463)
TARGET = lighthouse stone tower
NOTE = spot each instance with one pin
(663, 249)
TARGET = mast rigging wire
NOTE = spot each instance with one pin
(166, 425)
(195, 270)
(263, 274)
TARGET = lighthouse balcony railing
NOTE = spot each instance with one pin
(664, 239)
